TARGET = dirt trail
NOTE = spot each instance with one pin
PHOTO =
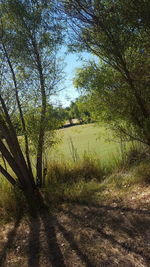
(112, 234)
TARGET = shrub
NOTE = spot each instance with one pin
(134, 155)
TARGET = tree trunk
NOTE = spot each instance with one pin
(19, 108)
(13, 154)
(39, 163)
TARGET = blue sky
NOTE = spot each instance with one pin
(72, 62)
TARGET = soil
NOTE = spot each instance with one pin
(113, 233)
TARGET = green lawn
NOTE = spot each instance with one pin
(90, 139)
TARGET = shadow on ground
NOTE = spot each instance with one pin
(79, 235)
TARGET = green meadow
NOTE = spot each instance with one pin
(90, 139)
(79, 141)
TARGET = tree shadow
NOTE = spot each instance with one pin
(74, 246)
(34, 241)
(10, 240)
(111, 208)
(133, 222)
(119, 220)
(40, 215)
(110, 237)
(54, 253)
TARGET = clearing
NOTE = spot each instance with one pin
(86, 139)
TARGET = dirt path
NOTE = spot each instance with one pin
(79, 235)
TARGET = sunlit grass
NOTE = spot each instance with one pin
(87, 139)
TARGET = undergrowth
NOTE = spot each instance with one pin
(73, 181)
(12, 202)
(84, 180)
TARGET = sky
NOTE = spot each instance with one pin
(72, 62)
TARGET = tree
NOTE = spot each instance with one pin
(118, 33)
(74, 111)
(82, 103)
(59, 115)
(30, 37)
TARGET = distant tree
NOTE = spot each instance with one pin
(69, 115)
(74, 111)
(56, 116)
(82, 103)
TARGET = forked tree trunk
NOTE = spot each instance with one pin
(21, 165)
(12, 153)
(19, 107)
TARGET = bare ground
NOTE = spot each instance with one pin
(115, 233)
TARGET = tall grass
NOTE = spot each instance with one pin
(133, 169)
(12, 202)
(69, 181)
(82, 179)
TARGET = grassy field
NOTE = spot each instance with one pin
(89, 139)
(77, 142)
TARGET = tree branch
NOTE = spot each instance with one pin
(8, 176)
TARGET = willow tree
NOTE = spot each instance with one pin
(30, 36)
(118, 33)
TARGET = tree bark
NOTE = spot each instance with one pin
(15, 156)
(7, 176)
(19, 108)
(39, 163)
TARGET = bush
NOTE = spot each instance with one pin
(134, 155)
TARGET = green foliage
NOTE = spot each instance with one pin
(59, 115)
(78, 110)
(52, 122)
(84, 109)
(30, 38)
(30, 33)
(111, 100)
(72, 112)
(117, 32)
(135, 154)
